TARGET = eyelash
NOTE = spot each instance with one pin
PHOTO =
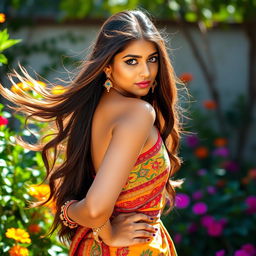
(128, 61)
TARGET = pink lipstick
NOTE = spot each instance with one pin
(143, 84)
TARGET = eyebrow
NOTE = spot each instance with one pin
(138, 56)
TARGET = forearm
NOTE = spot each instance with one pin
(81, 213)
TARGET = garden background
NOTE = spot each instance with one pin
(212, 45)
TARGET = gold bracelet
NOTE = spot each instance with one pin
(95, 232)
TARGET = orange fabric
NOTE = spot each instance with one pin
(143, 192)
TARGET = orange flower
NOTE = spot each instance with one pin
(34, 228)
(40, 192)
(2, 17)
(201, 152)
(58, 89)
(210, 104)
(18, 250)
(252, 174)
(18, 234)
(52, 205)
(186, 77)
(220, 142)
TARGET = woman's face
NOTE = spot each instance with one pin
(138, 62)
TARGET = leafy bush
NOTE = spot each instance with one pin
(22, 171)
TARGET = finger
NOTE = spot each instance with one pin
(141, 217)
(143, 234)
(144, 226)
(140, 241)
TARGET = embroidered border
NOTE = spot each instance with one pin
(149, 153)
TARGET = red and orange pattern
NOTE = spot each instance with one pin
(143, 193)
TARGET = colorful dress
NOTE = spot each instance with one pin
(143, 193)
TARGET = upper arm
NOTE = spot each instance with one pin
(128, 138)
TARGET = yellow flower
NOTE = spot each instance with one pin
(18, 234)
(25, 86)
(18, 250)
(58, 89)
(2, 17)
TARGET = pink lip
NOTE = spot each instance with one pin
(143, 84)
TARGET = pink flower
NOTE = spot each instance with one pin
(241, 253)
(251, 204)
(207, 220)
(211, 190)
(231, 166)
(220, 253)
(197, 195)
(222, 152)
(249, 248)
(215, 228)
(199, 208)
(3, 121)
(182, 200)
(192, 141)
(202, 172)
(177, 238)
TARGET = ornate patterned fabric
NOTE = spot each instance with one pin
(143, 193)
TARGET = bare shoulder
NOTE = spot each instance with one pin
(138, 109)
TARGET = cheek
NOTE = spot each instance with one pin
(154, 70)
(124, 72)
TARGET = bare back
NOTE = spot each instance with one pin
(109, 110)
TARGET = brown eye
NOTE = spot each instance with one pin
(131, 62)
(155, 59)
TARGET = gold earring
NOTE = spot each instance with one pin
(108, 84)
(153, 86)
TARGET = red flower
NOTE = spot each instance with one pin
(210, 104)
(201, 152)
(155, 165)
(3, 120)
(252, 174)
(186, 77)
(220, 142)
(34, 228)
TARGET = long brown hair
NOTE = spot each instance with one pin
(72, 111)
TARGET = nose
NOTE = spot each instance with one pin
(145, 71)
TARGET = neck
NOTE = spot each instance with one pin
(124, 93)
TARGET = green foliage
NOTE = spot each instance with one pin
(208, 11)
(5, 43)
(19, 169)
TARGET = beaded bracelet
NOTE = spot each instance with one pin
(64, 216)
(95, 232)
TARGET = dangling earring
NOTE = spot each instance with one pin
(153, 86)
(108, 84)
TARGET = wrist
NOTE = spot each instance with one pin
(105, 234)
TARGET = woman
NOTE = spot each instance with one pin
(114, 123)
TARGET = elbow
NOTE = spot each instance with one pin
(97, 209)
